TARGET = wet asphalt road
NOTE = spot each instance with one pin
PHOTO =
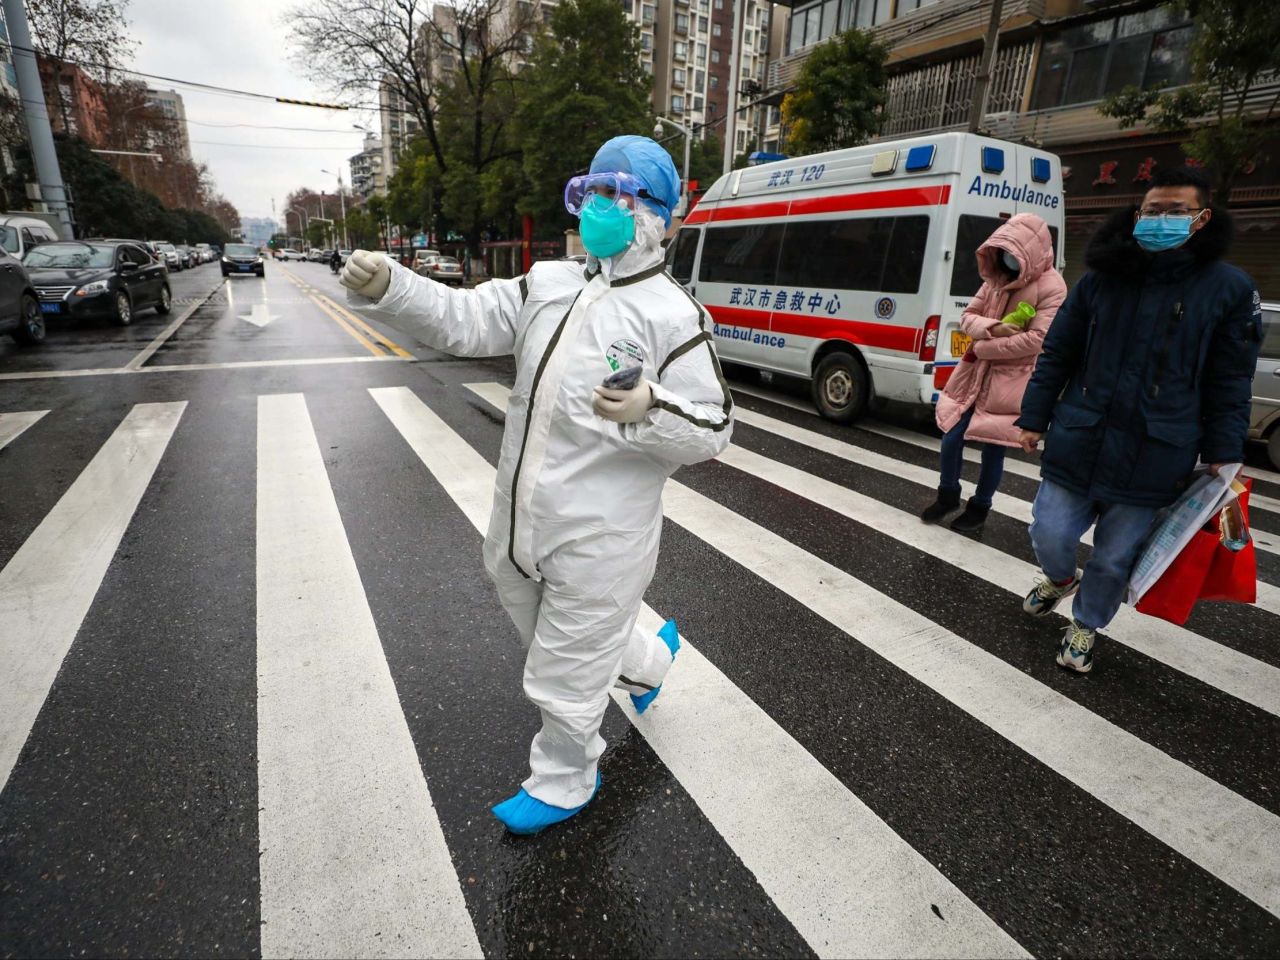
(865, 749)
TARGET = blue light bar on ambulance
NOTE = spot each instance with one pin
(992, 160)
(1040, 169)
(759, 157)
(886, 161)
(920, 158)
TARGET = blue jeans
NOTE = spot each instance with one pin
(1060, 520)
(952, 459)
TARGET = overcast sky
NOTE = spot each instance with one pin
(245, 44)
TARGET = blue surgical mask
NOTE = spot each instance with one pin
(1165, 232)
(607, 228)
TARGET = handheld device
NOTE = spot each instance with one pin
(624, 379)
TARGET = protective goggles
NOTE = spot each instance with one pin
(611, 186)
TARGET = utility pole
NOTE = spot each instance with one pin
(982, 82)
(735, 78)
(48, 173)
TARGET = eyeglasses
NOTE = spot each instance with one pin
(1176, 211)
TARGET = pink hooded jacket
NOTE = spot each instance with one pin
(995, 374)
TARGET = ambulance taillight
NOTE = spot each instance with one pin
(929, 345)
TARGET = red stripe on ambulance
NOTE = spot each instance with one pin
(868, 200)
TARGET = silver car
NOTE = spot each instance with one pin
(1264, 424)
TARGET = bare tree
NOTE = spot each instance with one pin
(90, 34)
(416, 51)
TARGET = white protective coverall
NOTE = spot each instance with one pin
(577, 509)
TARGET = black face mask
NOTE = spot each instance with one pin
(1010, 263)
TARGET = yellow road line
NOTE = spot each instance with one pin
(316, 299)
(390, 344)
(371, 347)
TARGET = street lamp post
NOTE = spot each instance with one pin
(302, 221)
(687, 133)
(342, 202)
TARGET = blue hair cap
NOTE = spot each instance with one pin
(648, 162)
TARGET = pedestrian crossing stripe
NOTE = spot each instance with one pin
(1204, 821)
(13, 425)
(835, 869)
(359, 868)
(848, 883)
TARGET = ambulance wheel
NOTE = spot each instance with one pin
(841, 387)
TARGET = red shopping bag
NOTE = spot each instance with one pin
(1206, 570)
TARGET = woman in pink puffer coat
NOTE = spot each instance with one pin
(984, 396)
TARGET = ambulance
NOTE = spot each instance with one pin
(852, 268)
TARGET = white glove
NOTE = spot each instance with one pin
(367, 274)
(623, 406)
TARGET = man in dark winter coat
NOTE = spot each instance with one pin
(1147, 368)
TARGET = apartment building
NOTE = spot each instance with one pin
(9, 101)
(169, 104)
(366, 169)
(1056, 60)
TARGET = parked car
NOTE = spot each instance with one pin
(291, 255)
(188, 256)
(242, 258)
(172, 259)
(19, 233)
(82, 279)
(1264, 424)
(20, 314)
(443, 270)
(205, 251)
(421, 258)
(152, 250)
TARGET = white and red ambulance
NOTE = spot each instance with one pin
(852, 268)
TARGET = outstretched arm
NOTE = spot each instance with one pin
(466, 323)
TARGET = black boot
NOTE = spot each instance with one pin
(947, 501)
(971, 521)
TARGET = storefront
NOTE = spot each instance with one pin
(1099, 179)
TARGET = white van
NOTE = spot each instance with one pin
(852, 268)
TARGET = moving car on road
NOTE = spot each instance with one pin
(242, 258)
(20, 313)
(291, 255)
(84, 279)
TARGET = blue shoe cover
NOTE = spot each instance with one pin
(671, 637)
(524, 815)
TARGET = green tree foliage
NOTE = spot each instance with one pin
(583, 86)
(1235, 46)
(840, 96)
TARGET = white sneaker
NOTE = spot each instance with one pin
(1046, 595)
(1076, 652)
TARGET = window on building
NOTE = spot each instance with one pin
(681, 50)
(677, 77)
(714, 82)
(697, 103)
(715, 29)
(647, 12)
(702, 54)
(703, 25)
(1148, 49)
(677, 103)
(748, 37)
(648, 67)
(700, 80)
(719, 4)
(646, 41)
(907, 6)
(715, 56)
(682, 23)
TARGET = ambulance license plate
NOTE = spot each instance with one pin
(960, 343)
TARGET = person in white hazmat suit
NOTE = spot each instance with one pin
(577, 510)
